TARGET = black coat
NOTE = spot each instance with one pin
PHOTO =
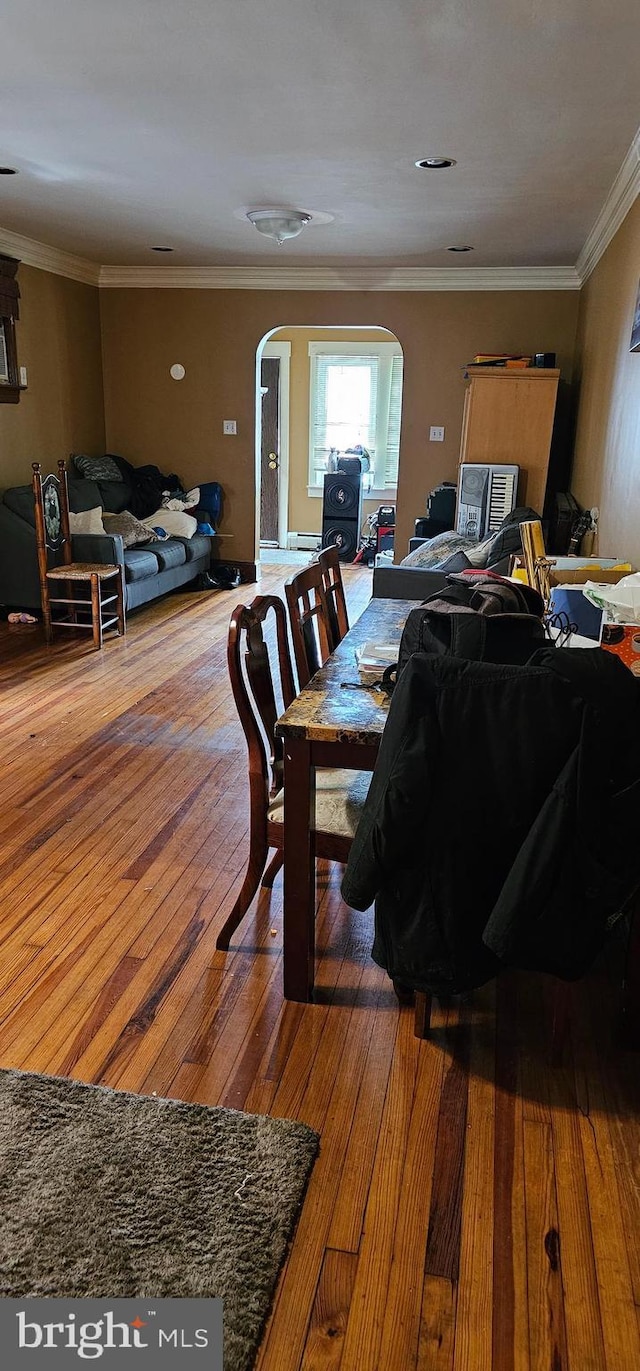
(502, 821)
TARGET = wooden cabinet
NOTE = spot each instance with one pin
(508, 417)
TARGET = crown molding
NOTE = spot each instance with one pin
(46, 258)
(616, 206)
(339, 278)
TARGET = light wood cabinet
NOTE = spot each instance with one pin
(508, 418)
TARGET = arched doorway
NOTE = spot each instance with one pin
(321, 391)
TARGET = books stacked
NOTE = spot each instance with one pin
(512, 361)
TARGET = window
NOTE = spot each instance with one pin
(356, 398)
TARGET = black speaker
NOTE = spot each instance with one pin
(342, 513)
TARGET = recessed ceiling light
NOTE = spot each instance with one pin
(436, 163)
(463, 248)
(162, 249)
(8, 171)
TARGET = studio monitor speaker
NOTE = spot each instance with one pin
(342, 512)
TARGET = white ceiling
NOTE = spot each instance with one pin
(141, 122)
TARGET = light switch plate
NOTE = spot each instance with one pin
(436, 434)
(23, 376)
(229, 426)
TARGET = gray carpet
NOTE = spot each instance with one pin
(104, 1193)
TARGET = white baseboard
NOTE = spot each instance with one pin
(298, 542)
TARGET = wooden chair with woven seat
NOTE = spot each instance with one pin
(96, 611)
(340, 794)
(329, 563)
(310, 621)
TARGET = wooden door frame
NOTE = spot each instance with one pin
(282, 351)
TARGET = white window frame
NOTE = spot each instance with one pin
(386, 353)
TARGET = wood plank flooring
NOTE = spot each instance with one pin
(472, 1208)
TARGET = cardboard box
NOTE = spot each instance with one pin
(604, 576)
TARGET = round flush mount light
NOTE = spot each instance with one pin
(162, 249)
(177, 371)
(279, 224)
(8, 171)
(436, 163)
(463, 248)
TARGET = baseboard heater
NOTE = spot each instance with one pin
(299, 542)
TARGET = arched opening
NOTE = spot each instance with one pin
(323, 393)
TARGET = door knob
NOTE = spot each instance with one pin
(273, 461)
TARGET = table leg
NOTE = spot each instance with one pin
(299, 870)
(631, 990)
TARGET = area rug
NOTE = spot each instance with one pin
(105, 1194)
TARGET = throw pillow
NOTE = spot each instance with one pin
(89, 521)
(437, 550)
(506, 539)
(174, 522)
(478, 554)
(97, 468)
(132, 530)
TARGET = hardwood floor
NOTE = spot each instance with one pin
(472, 1208)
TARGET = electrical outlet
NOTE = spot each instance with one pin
(436, 434)
(229, 426)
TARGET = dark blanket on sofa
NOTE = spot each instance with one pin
(147, 486)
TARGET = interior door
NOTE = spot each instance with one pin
(270, 450)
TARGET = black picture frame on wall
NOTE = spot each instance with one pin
(634, 345)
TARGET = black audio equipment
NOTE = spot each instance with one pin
(342, 512)
(544, 359)
(386, 516)
(350, 466)
(441, 504)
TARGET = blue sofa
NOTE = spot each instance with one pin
(149, 571)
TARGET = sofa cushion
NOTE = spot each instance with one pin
(169, 554)
(114, 495)
(97, 468)
(139, 564)
(198, 546)
(83, 495)
(19, 499)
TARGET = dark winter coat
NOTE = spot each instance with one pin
(501, 826)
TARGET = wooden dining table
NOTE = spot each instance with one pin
(329, 724)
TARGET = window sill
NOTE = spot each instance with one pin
(9, 395)
(389, 494)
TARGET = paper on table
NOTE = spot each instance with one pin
(372, 658)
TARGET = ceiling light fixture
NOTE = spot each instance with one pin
(436, 163)
(279, 224)
(463, 248)
(8, 171)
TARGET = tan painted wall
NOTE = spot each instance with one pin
(305, 511)
(62, 411)
(178, 425)
(607, 453)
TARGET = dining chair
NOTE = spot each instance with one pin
(310, 621)
(95, 609)
(329, 563)
(340, 794)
